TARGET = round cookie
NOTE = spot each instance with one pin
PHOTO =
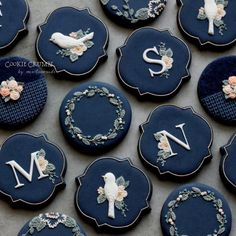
(72, 42)
(132, 13)
(95, 117)
(196, 209)
(216, 89)
(175, 141)
(153, 62)
(32, 170)
(113, 194)
(52, 224)
(23, 91)
(209, 23)
(227, 171)
(12, 28)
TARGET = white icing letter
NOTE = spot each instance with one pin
(184, 144)
(154, 61)
(16, 167)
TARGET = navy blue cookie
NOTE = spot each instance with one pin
(153, 62)
(227, 164)
(52, 224)
(196, 209)
(209, 23)
(12, 28)
(216, 89)
(23, 91)
(72, 41)
(113, 194)
(175, 141)
(32, 170)
(132, 13)
(95, 117)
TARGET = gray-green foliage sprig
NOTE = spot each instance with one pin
(98, 139)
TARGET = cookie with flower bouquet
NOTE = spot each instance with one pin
(175, 142)
(153, 63)
(217, 89)
(209, 23)
(53, 224)
(72, 42)
(23, 91)
(189, 207)
(113, 194)
(32, 170)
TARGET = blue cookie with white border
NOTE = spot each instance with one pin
(216, 89)
(12, 28)
(32, 170)
(210, 23)
(132, 13)
(175, 141)
(113, 194)
(95, 117)
(153, 62)
(52, 224)
(196, 209)
(23, 91)
(72, 41)
(227, 171)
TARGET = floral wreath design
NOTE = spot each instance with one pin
(164, 146)
(221, 13)
(52, 220)
(98, 139)
(122, 193)
(155, 7)
(46, 167)
(167, 57)
(229, 87)
(206, 196)
(11, 89)
(76, 52)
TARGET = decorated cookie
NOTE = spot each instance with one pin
(196, 209)
(217, 89)
(95, 117)
(72, 41)
(12, 28)
(23, 91)
(52, 224)
(131, 13)
(32, 170)
(175, 141)
(113, 194)
(227, 171)
(208, 22)
(153, 62)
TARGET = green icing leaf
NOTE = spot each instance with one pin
(101, 198)
(142, 14)
(169, 53)
(120, 181)
(104, 2)
(89, 44)
(74, 57)
(70, 222)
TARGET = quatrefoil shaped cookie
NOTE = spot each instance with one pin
(113, 194)
(32, 170)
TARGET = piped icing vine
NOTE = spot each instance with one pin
(114, 192)
(214, 11)
(195, 192)
(154, 8)
(98, 139)
(51, 221)
(11, 89)
(229, 87)
(74, 45)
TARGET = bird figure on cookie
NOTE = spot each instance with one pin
(211, 13)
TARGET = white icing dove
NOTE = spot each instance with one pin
(211, 12)
(67, 42)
